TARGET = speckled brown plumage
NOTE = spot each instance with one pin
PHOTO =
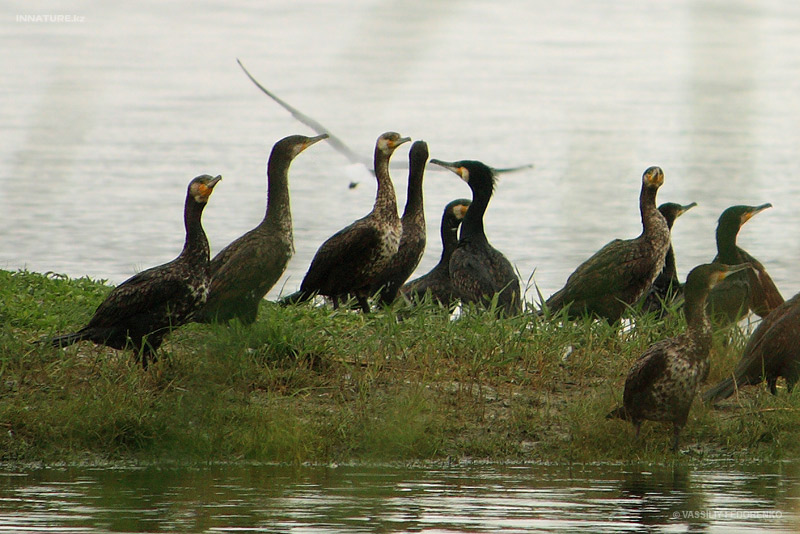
(753, 290)
(244, 271)
(348, 263)
(620, 273)
(140, 311)
(478, 271)
(662, 383)
(437, 280)
(773, 351)
(667, 287)
(412, 240)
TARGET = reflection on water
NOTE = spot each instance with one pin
(110, 117)
(762, 498)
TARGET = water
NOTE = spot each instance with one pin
(509, 499)
(109, 114)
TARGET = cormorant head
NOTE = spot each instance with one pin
(389, 141)
(671, 211)
(292, 145)
(201, 187)
(457, 209)
(478, 175)
(736, 216)
(703, 277)
(653, 177)
(418, 154)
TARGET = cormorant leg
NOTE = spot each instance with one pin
(676, 434)
(772, 382)
(364, 303)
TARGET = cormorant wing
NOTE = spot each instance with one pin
(764, 294)
(650, 366)
(140, 293)
(343, 255)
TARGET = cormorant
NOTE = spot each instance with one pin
(662, 383)
(349, 262)
(437, 280)
(478, 271)
(140, 311)
(753, 290)
(244, 271)
(412, 241)
(666, 287)
(771, 352)
(621, 272)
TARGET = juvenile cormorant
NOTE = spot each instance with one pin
(753, 290)
(478, 271)
(412, 241)
(771, 352)
(140, 311)
(244, 271)
(662, 383)
(437, 280)
(349, 262)
(666, 287)
(621, 272)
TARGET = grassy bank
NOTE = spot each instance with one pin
(312, 384)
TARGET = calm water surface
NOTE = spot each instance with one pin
(509, 499)
(108, 116)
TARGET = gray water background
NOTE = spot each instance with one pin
(110, 110)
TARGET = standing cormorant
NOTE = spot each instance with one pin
(666, 287)
(753, 290)
(140, 311)
(621, 272)
(244, 271)
(349, 262)
(662, 383)
(771, 352)
(437, 280)
(478, 271)
(412, 241)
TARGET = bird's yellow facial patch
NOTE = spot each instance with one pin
(654, 177)
(460, 211)
(201, 192)
(463, 173)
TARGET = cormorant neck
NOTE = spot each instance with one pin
(696, 317)
(385, 200)
(670, 272)
(651, 217)
(414, 201)
(472, 225)
(449, 234)
(196, 244)
(278, 204)
(726, 243)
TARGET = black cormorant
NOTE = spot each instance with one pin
(412, 241)
(140, 311)
(771, 352)
(753, 290)
(244, 271)
(478, 271)
(349, 262)
(437, 280)
(666, 287)
(662, 383)
(621, 272)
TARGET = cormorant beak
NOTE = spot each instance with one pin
(460, 171)
(758, 209)
(653, 177)
(729, 270)
(685, 208)
(401, 141)
(312, 140)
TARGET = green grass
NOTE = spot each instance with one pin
(310, 384)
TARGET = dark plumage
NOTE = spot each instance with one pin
(751, 291)
(662, 383)
(478, 271)
(412, 241)
(666, 287)
(140, 311)
(620, 273)
(350, 261)
(244, 271)
(437, 280)
(772, 351)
